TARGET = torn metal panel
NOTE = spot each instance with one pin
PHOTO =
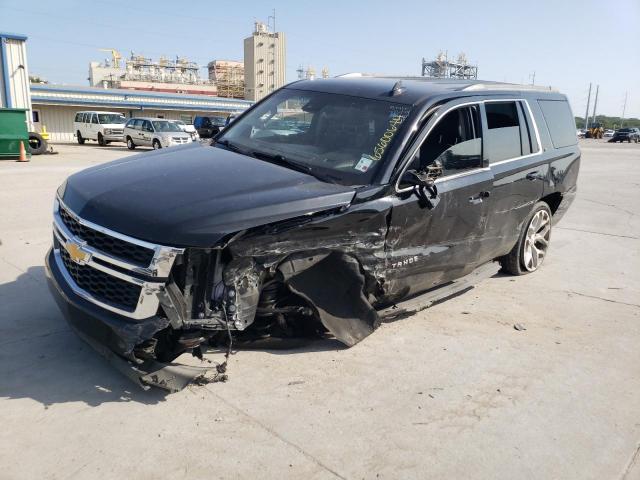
(334, 285)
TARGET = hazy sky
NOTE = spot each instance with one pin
(566, 43)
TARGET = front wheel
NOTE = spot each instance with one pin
(531, 249)
(156, 144)
(130, 144)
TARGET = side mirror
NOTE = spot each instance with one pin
(417, 179)
(425, 181)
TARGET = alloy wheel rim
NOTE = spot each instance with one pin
(536, 241)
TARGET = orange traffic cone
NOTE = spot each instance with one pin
(23, 153)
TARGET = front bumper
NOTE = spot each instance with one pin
(115, 336)
(114, 138)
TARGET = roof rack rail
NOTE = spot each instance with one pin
(508, 86)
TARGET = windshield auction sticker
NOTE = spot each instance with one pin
(364, 163)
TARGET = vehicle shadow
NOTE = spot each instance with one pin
(42, 359)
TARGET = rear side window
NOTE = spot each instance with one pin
(503, 130)
(510, 132)
(86, 117)
(94, 118)
(78, 117)
(560, 121)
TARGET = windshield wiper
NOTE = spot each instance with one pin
(230, 146)
(283, 161)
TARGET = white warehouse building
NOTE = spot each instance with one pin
(55, 106)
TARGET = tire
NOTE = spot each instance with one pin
(527, 256)
(101, 141)
(37, 145)
(80, 138)
(156, 144)
(130, 144)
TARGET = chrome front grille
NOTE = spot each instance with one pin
(102, 285)
(114, 271)
(106, 243)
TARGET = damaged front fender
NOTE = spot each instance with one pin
(334, 285)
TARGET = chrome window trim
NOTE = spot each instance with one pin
(480, 169)
(158, 269)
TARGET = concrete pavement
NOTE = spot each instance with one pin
(454, 392)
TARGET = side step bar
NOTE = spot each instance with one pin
(416, 304)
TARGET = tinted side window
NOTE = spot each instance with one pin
(527, 133)
(138, 124)
(455, 142)
(85, 117)
(78, 117)
(129, 124)
(560, 122)
(94, 118)
(503, 130)
(147, 126)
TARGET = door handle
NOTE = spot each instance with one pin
(533, 176)
(478, 198)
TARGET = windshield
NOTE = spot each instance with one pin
(624, 130)
(165, 126)
(111, 118)
(179, 123)
(340, 138)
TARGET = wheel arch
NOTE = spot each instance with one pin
(553, 200)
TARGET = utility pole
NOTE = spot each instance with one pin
(595, 105)
(586, 115)
(533, 78)
(624, 109)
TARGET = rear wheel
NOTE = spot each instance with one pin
(80, 138)
(156, 144)
(130, 144)
(101, 141)
(531, 249)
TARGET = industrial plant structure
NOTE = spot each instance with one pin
(264, 62)
(441, 67)
(228, 77)
(140, 73)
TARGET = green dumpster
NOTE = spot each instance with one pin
(13, 130)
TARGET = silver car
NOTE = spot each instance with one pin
(153, 132)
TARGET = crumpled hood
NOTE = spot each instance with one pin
(194, 195)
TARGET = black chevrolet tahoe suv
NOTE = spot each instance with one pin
(322, 205)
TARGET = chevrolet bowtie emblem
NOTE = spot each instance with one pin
(77, 253)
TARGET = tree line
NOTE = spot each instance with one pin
(609, 122)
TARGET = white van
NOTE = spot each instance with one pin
(105, 127)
